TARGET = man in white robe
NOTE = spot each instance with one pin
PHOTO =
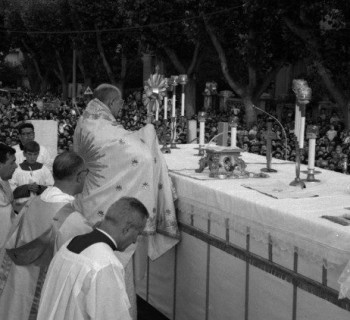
(29, 248)
(124, 163)
(85, 279)
(26, 134)
(7, 168)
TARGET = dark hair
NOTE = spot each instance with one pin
(25, 125)
(5, 151)
(66, 165)
(31, 146)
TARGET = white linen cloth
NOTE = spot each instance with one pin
(290, 222)
(89, 285)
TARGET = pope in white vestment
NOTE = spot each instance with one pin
(124, 163)
(22, 275)
(89, 285)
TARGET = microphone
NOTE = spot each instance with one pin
(280, 124)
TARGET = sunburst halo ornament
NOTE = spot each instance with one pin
(154, 92)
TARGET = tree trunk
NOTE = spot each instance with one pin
(106, 64)
(190, 96)
(62, 76)
(121, 82)
(250, 113)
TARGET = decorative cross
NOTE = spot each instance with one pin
(268, 136)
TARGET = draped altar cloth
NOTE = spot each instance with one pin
(124, 163)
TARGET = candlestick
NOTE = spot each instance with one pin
(157, 113)
(201, 119)
(183, 79)
(173, 114)
(183, 102)
(233, 137)
(165, 108)
(311, 134)
(201, 133)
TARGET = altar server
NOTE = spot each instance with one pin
(29, 248)
(85, 279)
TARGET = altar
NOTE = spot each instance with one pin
(252, 254)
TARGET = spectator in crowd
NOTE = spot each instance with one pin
(30, 244)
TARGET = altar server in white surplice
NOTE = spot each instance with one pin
(26, 134)
(30, 244)
(85, 279)
(7, 168)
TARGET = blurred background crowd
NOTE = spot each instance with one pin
(332, 144)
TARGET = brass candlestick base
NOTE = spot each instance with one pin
(311, 176)
(201, 151)
(268, 170)
(165, 149)
(298, 182)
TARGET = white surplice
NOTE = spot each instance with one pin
(6, 210)
(20, 285)
(44, 156)
(76, 224)
(89, 285)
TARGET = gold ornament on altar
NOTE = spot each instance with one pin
(302, 91)
(154, 91)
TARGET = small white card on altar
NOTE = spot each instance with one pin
(280, 190)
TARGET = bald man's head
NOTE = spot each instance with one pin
(111, 96)
(124, 221)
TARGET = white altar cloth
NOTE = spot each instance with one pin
(292, 222)
(180, 293)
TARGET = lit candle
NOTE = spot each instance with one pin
(183, 102)
(201, 133)
(173, 104)
(311, 158)
(165, 108)
(234, 137)
(157, 112)
(302, 132)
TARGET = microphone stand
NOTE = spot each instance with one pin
(284, 134)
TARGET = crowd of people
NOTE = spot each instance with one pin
(332, 144)
(69, 225)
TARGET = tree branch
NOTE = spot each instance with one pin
(103, 56)
(313, 46)
(174, 59)
(224, 67)
(194, 58)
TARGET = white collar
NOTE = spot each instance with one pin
(106, 234)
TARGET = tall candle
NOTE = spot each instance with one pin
(302, 132)
(157, 112)
(165, 108)
(311, 158)
(183, 104)
(233, 137)
(173, 106)
(201, 133)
